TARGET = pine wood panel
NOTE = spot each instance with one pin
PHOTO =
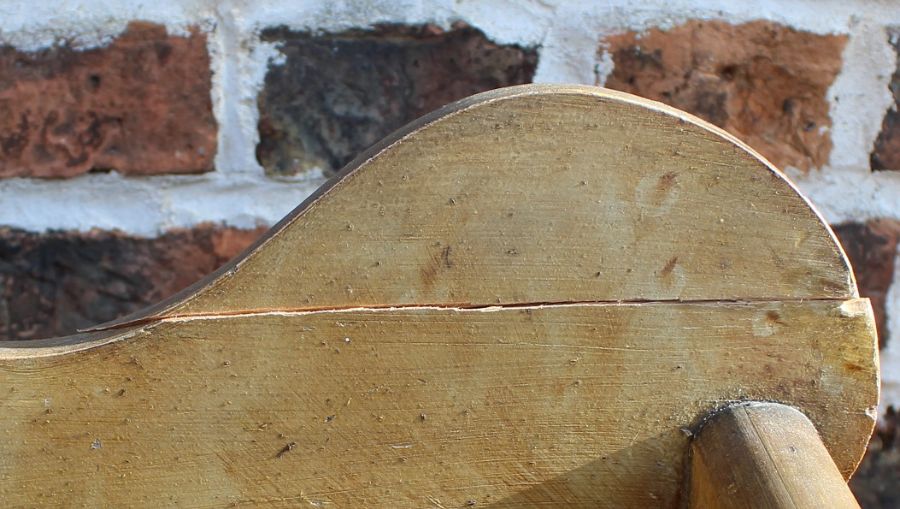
(559, 406)
(557, 283)
(540, 194)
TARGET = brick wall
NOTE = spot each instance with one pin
(144, 144)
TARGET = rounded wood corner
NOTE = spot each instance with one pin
(827, 276)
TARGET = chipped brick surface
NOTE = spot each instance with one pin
(763, 82)
(336, 94)
(52, 284)
(140, 105)
(886, 153)
(872, 248)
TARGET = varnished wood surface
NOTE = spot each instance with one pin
(560, 406)
(764, 456)
(529, 298)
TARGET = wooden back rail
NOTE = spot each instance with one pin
(540, 296)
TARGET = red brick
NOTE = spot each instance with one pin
(764, 82)
(886, 153)
(52, 284)
(140, 105)
(872, 248)
(338, 93)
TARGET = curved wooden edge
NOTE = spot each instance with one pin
(142, 328)
(24, 350)
(126, 326)
(162, 308)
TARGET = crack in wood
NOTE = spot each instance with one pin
(302, 311)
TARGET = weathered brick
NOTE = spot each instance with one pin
(52, 284)
(872, 248)
(761, 81)
(338, 93)
(886, 153)
(876, 483)
(140, 105)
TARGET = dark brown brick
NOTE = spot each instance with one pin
(52, 284)
(138, 106)
(872, 248)
(338, 93)
(876, 483)
(886, 153)
(763, 82)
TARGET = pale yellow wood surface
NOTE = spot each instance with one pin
(766, 456)
(645, 269)
(542, 194)
(561, 406)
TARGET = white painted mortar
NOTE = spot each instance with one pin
(568, 33)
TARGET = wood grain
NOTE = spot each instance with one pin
(764, 455)
(551, 406)
(529, 298)
(540, 194)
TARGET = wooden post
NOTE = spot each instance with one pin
(764, 455)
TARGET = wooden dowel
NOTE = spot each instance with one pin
(764, 455)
